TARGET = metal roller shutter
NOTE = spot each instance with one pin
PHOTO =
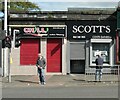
(29, 50)
(54, 55)
(77, 51)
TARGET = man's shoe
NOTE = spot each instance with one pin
(44, 83)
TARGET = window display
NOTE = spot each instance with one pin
(101, 49)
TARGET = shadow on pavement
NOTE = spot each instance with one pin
(23, 81)
(103, 81)
(79, 80)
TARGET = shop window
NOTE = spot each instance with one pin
(102, 49)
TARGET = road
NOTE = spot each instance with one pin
(61, 92)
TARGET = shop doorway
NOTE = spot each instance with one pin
(54, 55)
(77, 66)
(77, 57)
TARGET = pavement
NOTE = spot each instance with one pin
(71, 80)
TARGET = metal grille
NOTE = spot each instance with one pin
(109, 74)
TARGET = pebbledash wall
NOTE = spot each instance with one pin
(69, 40)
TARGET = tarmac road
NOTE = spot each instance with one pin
(61, 92)
(58, 86)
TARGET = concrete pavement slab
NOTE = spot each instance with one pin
(53, 81)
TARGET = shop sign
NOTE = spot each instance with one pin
(91, 29)
(42, 31)
(34, 30)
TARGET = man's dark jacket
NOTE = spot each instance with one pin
(99, 62)
(41, 62)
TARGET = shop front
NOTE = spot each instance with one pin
(46, 39)
(88, 38)
(69, 40)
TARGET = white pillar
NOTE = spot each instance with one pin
(68, 56)
(111, 53)
(64, 56)
(90, 53)
(43, 47)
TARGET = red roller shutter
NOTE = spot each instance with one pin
(29, 50)
(54, 55)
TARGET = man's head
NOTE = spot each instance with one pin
(39, 55)
(98, 55)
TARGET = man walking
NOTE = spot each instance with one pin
(41, 63)
(99, 65)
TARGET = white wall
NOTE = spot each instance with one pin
(16, 69)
